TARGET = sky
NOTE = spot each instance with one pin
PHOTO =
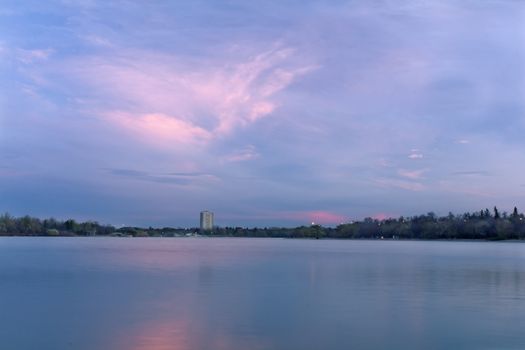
(268, 113)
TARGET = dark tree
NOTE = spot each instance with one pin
(478, 225)
(496, 213)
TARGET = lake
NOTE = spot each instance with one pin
(230, 293)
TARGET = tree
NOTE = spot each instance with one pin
(496, 213)
(71, 225)
(7, 223)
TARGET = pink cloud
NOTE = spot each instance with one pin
(316, 216)
(210, 99)
(412, 174)
(160, 128)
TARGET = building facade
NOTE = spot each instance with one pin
(206, 220)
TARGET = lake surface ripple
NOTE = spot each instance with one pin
(228, 293)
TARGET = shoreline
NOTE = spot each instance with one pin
(283, 238)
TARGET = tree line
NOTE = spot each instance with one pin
(483, 225)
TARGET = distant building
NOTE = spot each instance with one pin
(206, 220)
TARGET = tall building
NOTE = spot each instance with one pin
(206, 220)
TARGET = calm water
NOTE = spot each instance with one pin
(191, 293)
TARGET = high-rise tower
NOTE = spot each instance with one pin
(206, 220)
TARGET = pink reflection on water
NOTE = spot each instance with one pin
(156, 336)
(182, 334)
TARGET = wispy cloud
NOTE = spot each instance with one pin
(247, 153)
(385, 163)
(471, 173)
(31, 56)
(164, 178)
(412, 174)
(415, 155)
(97, 40)
(159, 129)
(204, 100)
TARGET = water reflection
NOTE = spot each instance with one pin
(172, 334)
(156, 336)
(155, 294)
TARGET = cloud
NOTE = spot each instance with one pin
(30, 56)
(471, 173)
(412, 174)
(159, 129)
(190, 174)
(247, 153)
(96, 40)
(402, 184)
(415, 156)
(210, 98)
(384, 163)
(25, 56)
(463, 142)
(164, 178)
(314, 216)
